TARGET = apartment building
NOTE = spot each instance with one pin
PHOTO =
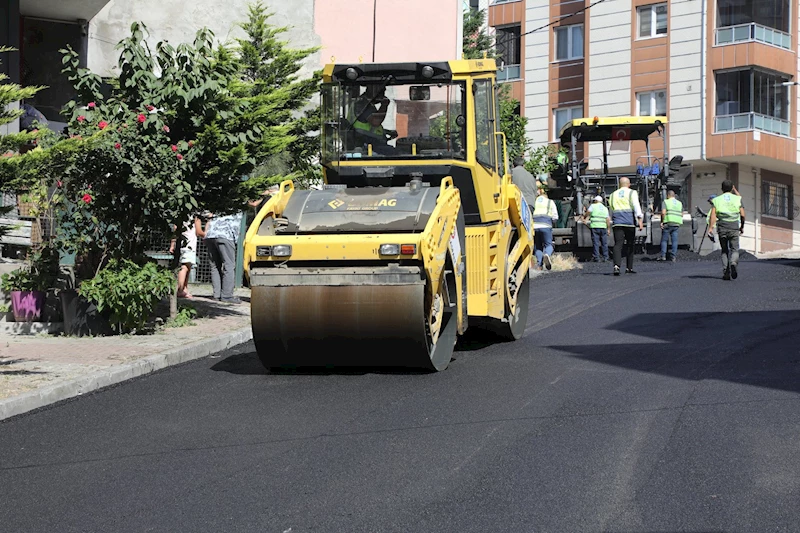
(723, 71)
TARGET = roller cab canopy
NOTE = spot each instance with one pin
(596, 129)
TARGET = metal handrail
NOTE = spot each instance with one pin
(752, 32)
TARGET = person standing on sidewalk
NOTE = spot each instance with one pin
(626, 213)
(727, 214)
(221, 236)
(544, 213)
(671, 220)
(600, 225)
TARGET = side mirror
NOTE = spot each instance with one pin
(419, 92)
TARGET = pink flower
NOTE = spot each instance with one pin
(81, 118)
(90, 105)
(102, 124)
(150, 108)
(180, 157)
(87, 198)
(166, 129)
(191, 144)
(174, 148)
(141, 118)
(117, 146)
(59, 183)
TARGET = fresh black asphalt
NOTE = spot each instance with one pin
(656, 402)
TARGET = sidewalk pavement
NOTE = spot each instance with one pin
(39, 370)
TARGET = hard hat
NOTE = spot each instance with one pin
(598, 198)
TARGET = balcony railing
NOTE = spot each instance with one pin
(751, 121)
(753, 32)
(495, 2)
(509, 73)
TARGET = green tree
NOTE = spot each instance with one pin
(180, 132)
(270, 76)
(477, 42)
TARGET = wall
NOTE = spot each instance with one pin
(178, 21)
(537, 89)
(411, 30)
(686, 56)
(610, 67)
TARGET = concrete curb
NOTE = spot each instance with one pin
(69, 389)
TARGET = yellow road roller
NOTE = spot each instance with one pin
(416, 233)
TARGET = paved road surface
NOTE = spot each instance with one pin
(662, 401)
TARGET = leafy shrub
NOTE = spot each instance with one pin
(39, 275)
(128, 291)
(184, 318)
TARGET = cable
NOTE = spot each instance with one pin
(374, 26)
(563, 18)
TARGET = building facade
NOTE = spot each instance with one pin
(723, 71)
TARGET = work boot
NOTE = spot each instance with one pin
(630, 271)
(726, 275)
(616, 270)
(547, 264)
(734, 273)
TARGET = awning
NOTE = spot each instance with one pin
(66, 10)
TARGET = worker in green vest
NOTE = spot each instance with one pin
(626, 214)
(727, 214)
(599, 221)
(369, 130)
(671, 220)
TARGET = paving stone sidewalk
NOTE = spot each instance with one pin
(34, 365)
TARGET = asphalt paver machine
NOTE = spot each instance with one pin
(417, 233)
(651, 174)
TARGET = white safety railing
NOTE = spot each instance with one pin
(753, 32)
(751, 121)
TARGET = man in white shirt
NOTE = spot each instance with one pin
(544, 214)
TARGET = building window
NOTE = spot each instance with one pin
(652, 20)
(775, 199)
(652, 104)
(562, 116)
(751, 99)
(507, 43)
(569, 42)
(484, 125)
(767, 21)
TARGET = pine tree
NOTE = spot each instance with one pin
(476, 40)
(270, 72)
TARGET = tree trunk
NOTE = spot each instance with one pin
(176, 268)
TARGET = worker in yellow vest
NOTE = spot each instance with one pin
(544, 213)
(671, 220)
(626, 213)
(600, 225)
(727, 214)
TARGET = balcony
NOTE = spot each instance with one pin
(750, 122)
(752, 32)
(509, 73)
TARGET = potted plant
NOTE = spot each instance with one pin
(27, 286)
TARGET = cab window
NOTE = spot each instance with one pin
(484, 127)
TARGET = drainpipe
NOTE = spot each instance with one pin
(703, 50)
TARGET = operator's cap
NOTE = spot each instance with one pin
(598, 198)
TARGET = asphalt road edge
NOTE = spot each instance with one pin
(44, 396)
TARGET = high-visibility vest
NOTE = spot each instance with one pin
(621, 204)
(598, 216)
(674, 212)
(366, 127)
(728, 207)
(543, 210)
